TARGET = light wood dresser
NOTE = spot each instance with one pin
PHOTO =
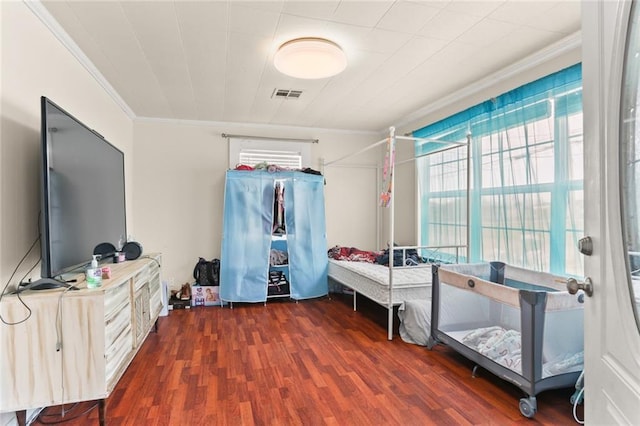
(76, 344)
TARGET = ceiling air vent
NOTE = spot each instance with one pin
(286, 94)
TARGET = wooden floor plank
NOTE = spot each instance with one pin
(308, 363)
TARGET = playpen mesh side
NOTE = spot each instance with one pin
(563, 334)
(486, 325)
(486, 316)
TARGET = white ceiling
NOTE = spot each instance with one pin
(212, 61)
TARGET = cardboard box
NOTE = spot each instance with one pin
(205, 295)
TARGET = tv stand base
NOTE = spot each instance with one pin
(45, 284)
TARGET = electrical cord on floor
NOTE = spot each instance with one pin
(575, 407)
(576, 398)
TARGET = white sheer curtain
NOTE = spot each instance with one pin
(526, 198)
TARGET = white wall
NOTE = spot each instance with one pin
(179, 174)
(34, 63)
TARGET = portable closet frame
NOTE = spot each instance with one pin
(391, 139)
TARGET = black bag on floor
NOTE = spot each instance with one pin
(207, 272)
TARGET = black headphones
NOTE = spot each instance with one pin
(105, 250)
(132, 250)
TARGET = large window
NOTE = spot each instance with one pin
(525, 197)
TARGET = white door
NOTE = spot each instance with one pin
(611, 100)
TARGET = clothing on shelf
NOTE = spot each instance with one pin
(278, 257)
(251, 209)
(278, 284)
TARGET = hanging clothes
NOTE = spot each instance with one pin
(278, 210)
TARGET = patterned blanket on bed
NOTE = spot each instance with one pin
(352, 254)
(401, 257)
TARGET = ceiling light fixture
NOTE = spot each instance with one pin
(310, 58)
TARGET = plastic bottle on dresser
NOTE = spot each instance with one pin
(94, 274)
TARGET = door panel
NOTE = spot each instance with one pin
(612, 340)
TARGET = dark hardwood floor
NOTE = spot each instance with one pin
(308, 363)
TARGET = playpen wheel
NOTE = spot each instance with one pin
(528, 407)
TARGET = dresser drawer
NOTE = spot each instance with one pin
(116, 356)
(155, 293)
(115, 300)
(140, 279)
(116, 325)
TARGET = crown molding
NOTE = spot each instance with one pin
(56, 29)
(49, 21)
(545, 55)
(205, 123)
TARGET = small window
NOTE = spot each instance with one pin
(287, 154)
(286, 159)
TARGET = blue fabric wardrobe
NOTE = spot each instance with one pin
(247, 236)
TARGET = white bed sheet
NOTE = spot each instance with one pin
(415, 321)
(372, 280)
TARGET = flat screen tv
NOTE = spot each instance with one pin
(82, 193)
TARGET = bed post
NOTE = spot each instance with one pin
(468, 204)
(389, 165)
(392, 150)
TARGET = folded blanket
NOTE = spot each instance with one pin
(498, 344)
(479, 336)
(278, 257)
(352, 254)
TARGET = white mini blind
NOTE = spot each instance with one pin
(286, 159)
(287, 154)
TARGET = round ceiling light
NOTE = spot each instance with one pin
(310, 58)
